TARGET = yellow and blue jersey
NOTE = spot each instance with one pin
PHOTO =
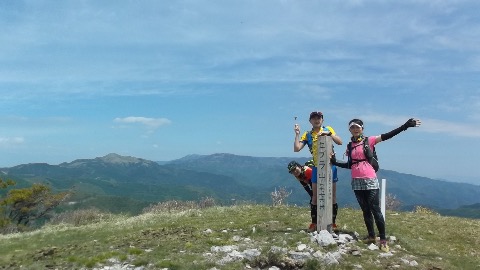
(310, 138)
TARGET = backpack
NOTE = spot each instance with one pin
(370, 155)
(310, 163)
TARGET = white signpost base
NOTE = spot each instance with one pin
(383, 190)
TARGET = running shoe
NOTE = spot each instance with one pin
(369, 240)
(312, 227)
(384, 246)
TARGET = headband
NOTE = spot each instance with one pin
(355, 124)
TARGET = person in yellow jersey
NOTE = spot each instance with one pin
(309, 138)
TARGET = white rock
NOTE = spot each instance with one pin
(251, 254)
(299, 255)
(373, 247)
(344, 238)
(318, 254)
(236, 255)
(385, 255)
(223, 249)
(337, 255)
(330, 259)
(301, 247)
(113, 260)
(324, 238)
(236, 238)
(225, 260)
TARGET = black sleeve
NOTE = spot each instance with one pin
(341, 164)
(307, 189)
(410, 123)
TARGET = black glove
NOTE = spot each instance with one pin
(410, 123)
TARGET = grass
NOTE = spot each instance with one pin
(180, 240)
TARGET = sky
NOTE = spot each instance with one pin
(160, 80)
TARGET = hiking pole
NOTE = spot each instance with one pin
(295, 120)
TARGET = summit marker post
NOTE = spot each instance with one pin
(324, 184)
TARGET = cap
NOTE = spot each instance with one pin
(314, 114)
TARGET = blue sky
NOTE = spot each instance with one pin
(163, 79)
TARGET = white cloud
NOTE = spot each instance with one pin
(428, 125)
(458, 129)
(150, 123)
(239, 42)
(5, 142)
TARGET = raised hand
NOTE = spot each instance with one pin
(412, 123)
(296, 128)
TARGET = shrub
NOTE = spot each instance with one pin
(80, 217)
(207, 202)
(24, 207)
(174, 205)
(279, 196)
(424, 210)
(392, 202)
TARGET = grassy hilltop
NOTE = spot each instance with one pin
(183, 239)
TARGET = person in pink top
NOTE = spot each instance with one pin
(364, 178)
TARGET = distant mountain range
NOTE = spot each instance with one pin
(128, 184)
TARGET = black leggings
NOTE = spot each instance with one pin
(369, 201)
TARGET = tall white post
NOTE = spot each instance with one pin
(383, 193)
(324, 184)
